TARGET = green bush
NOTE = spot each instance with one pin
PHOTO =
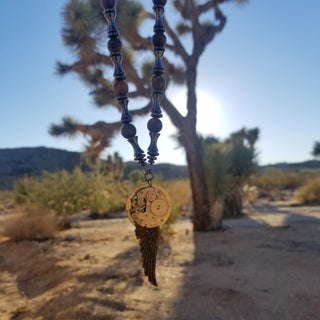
(310, 192)
(67, 193)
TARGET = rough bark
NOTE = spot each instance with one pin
(201, 208)
(233, 202)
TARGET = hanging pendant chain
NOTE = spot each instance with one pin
(120, 87)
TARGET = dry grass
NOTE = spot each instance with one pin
(31, 224)
(310, 192)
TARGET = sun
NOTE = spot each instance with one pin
(209, 115)
(209, 118)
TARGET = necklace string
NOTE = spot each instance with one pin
(120, 87)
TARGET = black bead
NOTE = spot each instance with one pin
(128, 130)
(159, 2)
(108, 4)
(114, 45)
(154, 125)
(159, 40)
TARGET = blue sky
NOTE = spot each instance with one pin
(262, 70)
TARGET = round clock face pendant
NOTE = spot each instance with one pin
(148, 206)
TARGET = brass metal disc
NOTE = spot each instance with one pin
(148, 206)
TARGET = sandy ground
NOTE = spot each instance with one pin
(262, 266)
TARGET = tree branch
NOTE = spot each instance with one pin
(177, 48)
(174, 115)
(203, 35)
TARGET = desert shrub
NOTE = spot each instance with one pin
(117, 196)
(6, 200)
(179, 192)
(68, 193)
(250, 193)
(136, 176)
(180, 196)
(310, 192)
(31, 224)
(275, 180)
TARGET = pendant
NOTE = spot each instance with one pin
(148, 207)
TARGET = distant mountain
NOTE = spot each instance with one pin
(311, 164)
(17, 162)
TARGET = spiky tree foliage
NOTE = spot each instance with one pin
(84, 32)
(113, 167)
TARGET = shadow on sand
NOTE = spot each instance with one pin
(246, 271)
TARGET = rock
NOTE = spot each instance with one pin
(69, 237)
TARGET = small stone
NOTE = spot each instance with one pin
(69, 237)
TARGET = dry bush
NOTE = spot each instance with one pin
(250, 193)
(310, 192)
(180, 195)
(31, 224)
(6, 201)
(273, 182)
(179, 192)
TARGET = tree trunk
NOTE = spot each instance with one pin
(233, 202)
(190, 141)
(201, 208)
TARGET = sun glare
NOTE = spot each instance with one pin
(209, 116)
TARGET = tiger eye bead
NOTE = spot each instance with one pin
(158, 82)
(128, 130)
(114, 45)
(159, 40)
(108, 4)
(154, 125)
(120, 88)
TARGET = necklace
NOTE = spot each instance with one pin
(148, 206)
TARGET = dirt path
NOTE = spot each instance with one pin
(264, 266)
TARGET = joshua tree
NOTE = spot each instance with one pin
(316, 149)
(85, 32)
(229, 164)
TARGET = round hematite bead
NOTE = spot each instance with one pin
(114, 45)
(159, 40)
(128, 130)
(154, 125)
(120, 88)
(159, 2)
(108, 4)
(158, 82)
